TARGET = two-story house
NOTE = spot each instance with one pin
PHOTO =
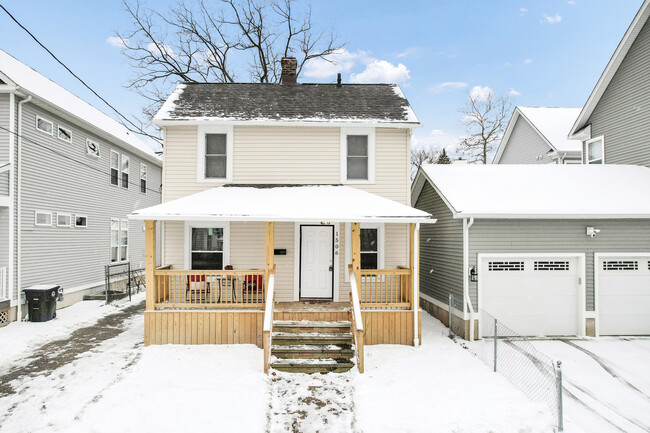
(293, 192)
(539, 135)
(69, 176)
(614, 124)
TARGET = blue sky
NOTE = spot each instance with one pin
(547, 53)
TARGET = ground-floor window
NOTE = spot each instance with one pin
(207, 248)
(369, 248)
(119, 240)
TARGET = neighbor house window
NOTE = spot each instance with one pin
(42, 218)
(115, 164)
(63, 219)
(44, 125)
(369, 248)
(595, 151)
(357, 155)
(215, 154)
(119, 240)
(125, 171)
(80, 221)
(207, 248)
(92, 148)
(143, 178)
(64, 134)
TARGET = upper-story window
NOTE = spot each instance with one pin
(595, 151)
(357, 155)
(115, 164)
(64, 134)
(125, 171)
(44, 125)
(214, 154)
(143, 178)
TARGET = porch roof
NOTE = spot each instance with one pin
(314, 203)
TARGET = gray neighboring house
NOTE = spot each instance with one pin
(614, 124)
(536, 248)
(69, 176)
(539, 135)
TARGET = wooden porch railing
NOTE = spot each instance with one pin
(193, 289)
(385, 288)
(357, 321)
(267, 330)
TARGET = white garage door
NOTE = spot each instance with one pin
(532, 295)
(623, 295)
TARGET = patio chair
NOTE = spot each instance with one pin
(253, 288)
(197, 285)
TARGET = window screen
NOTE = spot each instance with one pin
(357, 157)
(215, 156)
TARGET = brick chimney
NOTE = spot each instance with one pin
(289, 67)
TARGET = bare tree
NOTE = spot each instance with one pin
(486, 118)
(422, 156)
(215, 41)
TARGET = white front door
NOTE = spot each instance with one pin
(531, 295)
(316, 254)
(623, 294)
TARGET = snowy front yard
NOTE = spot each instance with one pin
(119, 385)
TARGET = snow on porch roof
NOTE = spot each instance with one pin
(315, 203)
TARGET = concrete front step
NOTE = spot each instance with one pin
(313, 352)
(315, 366)
(311, 338)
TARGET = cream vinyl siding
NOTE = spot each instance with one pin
(174, 245)
(284, 264)
(179, 163)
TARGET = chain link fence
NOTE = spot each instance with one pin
(514, 357)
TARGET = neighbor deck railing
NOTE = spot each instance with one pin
(191, 289)
(385, 288)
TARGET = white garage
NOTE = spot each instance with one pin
(534, 295)
(622, 293)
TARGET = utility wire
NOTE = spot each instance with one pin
(73, 159)
(137, 130)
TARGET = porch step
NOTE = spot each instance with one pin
(311, 338)
(311, 366)
(298, 327)
(343, 351)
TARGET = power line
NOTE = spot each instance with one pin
(138, 129)
(72, 159)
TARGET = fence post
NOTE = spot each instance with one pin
(495, 345)
(107, 276)
(560, 415)
(129, 278)
(451, 316)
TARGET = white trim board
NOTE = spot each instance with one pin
(582, 286)
(187, 241)
(296, 259)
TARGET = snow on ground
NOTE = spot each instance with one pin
(439, 387)
(18, 339)
(606, 382)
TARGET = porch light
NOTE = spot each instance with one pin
(325, 223)
(592, 231)
(473, 275)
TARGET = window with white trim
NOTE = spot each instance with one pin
(80, 221)
(369, 248)
(357, 155)
(92, 148)
(44, 125)
(125, 171)
(214, 154)
(207, 248)
(595, 151)
(63, 219)
(64, 134)
(119, 240)
(143, 178)
(42, 218)
(115, 166)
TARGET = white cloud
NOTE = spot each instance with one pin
(408, 52)
(571, 2)
(381, 71)
(448, 85)
(552, 19)
(528, 61)
(437, 140)
(154, 48)
(340, 61)
(507, 64)
(480, 92)
(513, 92)
(116, 41)
(522, 11)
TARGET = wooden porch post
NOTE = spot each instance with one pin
(268, 267)
(355, 237)
(150, 263)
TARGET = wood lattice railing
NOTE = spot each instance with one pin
(210, 289)
(385, 288)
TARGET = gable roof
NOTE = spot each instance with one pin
(614, 63)
(551, 123)
(43, 90)
(545, 191)
(305, 103)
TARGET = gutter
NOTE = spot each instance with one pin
(18, 208)
(468, 302)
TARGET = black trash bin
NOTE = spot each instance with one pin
(41, 302)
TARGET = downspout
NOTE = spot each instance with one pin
(12, 172)
(468, 302)
(19, 208)
(416, 284)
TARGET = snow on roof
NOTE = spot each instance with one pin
(284, 203)
(303, 102)
(554, 123)
(41, 87)
(543, 191)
